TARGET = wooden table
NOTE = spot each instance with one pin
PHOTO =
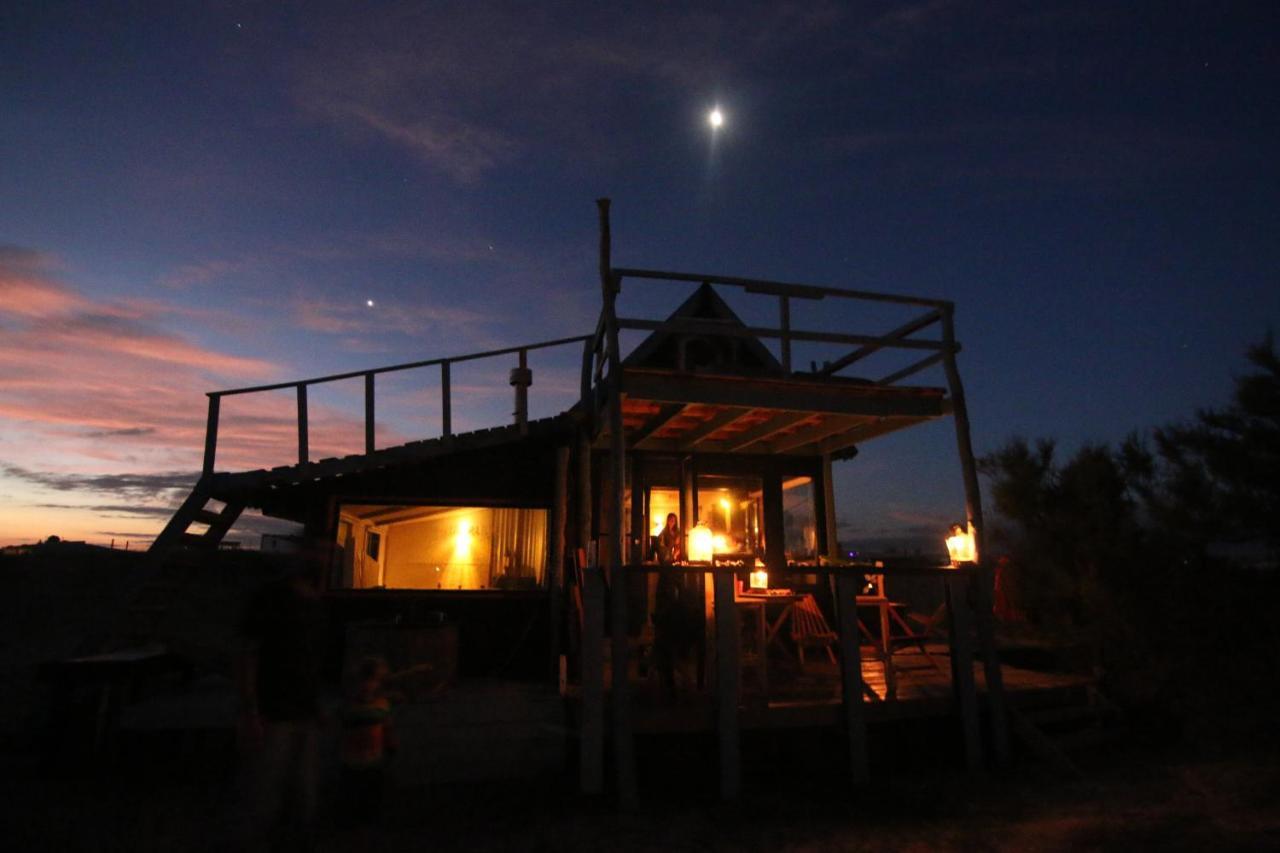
(755, 604)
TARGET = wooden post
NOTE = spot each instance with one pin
(984, 576)
(784, 309)
(583, 500)
(521, 379)
(591, 754)
(368, 413)
(728, 677)
(623, 747)
(446, 401)
(847, 586)
(829, 507)
(303, 452)
(555, 565)
(211, 434)
(960, 629)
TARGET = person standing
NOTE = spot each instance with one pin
(279, 678)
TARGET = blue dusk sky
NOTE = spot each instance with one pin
(208, 195)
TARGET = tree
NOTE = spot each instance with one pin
(1222, 469)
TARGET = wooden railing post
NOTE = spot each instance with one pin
(368, 413)
(983, 578)
(960, 633)
(591, 747)
(784, 310)
(623, 746)
(303, 451)
(521, 379)
(446, 401)
(728, 678)
(847, 586)
(211, 434)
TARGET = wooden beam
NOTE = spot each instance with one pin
(303, 450)
(831, 425)
(896, 335)
(718, 421)
(911, 370)
(714, 328)
(211, 434)
(623, 745)
(664, 416)
(728, 677)
(780, 395)
(784, 323)
(848, 584)
(985, 576)
(756, 285)
(591, 747)
(446, 401)
(760, 432)
(962, 683)
(559, 525)
(369, 422)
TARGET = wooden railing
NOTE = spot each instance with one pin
(939, 313)
(848, 580)
(370, 407)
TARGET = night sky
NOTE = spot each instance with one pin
(207, 195)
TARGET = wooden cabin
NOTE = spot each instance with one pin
(520, 533)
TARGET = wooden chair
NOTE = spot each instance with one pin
(809, 628)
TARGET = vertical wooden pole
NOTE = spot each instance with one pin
(303, 452)
(583, 498)
(591, 755)
(369, 421)
(832, 539)
(962, 684)
(446, 401)
(984, 577)
(521, 378)
(784, 309)
(211, 434)
(555, 565)
(623, 747)
(851, 685)
(728, 677)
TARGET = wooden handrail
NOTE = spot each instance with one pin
(300, 387)
(714, 327)
(779, 288)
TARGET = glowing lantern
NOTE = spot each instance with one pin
(701, 544)
(759, 579)
(960, 545)
(462, 542)
(719, 544)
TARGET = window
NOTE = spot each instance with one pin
(732, 508)
(799, 520)
(435, 547)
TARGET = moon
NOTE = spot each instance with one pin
(715, 118)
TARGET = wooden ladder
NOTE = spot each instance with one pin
(178, 534)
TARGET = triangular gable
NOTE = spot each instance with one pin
(706, 353)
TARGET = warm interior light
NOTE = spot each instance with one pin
(960, 545)
(657, 528)
(719, 544)
(462, 542)
(701, 543)
(759, 579)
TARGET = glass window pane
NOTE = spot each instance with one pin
(733, 508)
(457, 548)
(799, 520)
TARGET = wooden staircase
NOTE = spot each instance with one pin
(1062, 728)
(178, 533)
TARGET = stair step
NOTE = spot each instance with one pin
(1064, 714)
(1083, 739)
(207, 516)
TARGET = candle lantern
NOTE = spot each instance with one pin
(960, 545)
(701, 542)
(759, 579)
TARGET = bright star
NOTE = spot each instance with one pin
(715, 118)
(369, 302)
